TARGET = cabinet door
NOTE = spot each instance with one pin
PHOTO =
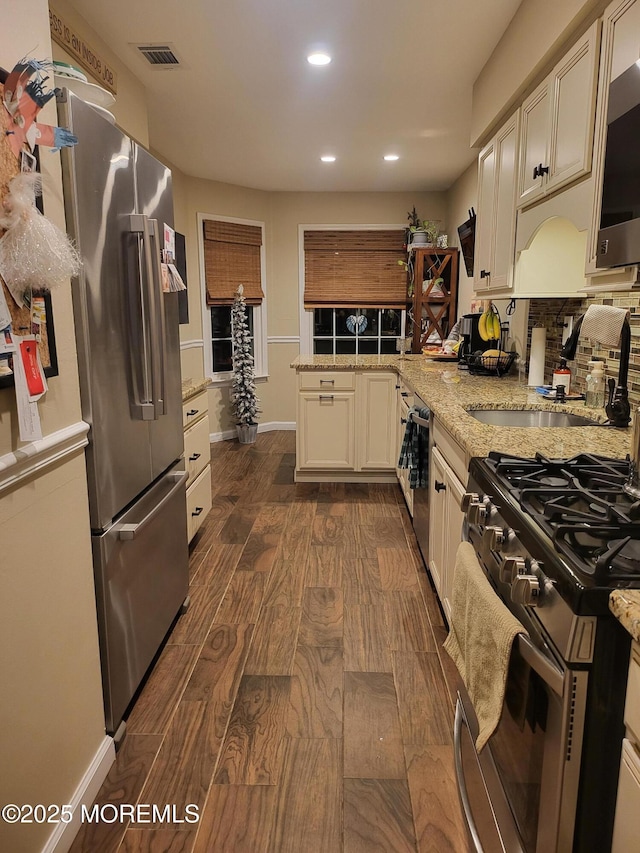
(573, 84)
(437, 519)
(536, 121)
(377, 420)
(453, 536)
(485, 217)
(504, 223)
(325, 432)
(626, 829)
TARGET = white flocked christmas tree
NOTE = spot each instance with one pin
(243, 388)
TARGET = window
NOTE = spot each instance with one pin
(232, 253)
(353, 290)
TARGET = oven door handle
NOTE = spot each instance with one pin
(552, 675)
(462, 785)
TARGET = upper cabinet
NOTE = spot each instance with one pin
(496, 217)
(557, 123)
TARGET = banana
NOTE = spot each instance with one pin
(496, 332)
(483, 326)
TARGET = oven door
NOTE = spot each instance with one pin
(520, 793)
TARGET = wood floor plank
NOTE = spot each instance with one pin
(397, 569)
(358, 543)
(192, 627)
(324, 566)
(328, 530)
(315, 700)
(237, 819)
(439, 823)
(377, 816)
(361, 581)
(372, 512)
(242, 599)
(238, 526)
(253, 748)
(386, 533)
(259, 552)
(426, 713)
(366, 639)
(216, 675)
(271, 518)
(123, 784)
(451, 675)
(158, 841)
(274, 641)
(219, 565)
(160, 695)
(308, 811)
(430, 598)
(285, 586)
(372, 735)
(409, 628)
(322, 612)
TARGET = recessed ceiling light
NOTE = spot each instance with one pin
(391, 157)
(328, 158)
(318, 59)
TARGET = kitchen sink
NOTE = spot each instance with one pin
(529, 418)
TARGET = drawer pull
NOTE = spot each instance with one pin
(325, 396)
(403, 420)
(194, 456)
(198, 510)
(327, 381)
(192, 413)
(440, 487)
(404, 393)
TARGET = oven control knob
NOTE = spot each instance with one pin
(525, 589)
(497, 538)
(478, 511)
(466, 499)
(511, 568)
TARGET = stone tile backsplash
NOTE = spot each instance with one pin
(550, 312)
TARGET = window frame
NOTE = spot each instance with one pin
(306, 314)
(259, 311)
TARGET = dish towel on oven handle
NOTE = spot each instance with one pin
(480, 638)
(414, 452)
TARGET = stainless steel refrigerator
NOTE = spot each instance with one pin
(118, 199)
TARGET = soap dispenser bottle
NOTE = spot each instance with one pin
(562, 376)
(594, 396)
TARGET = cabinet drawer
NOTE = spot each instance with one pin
(197, 452)
(198, 501)
(195, 408)
(626, 829)
(632, 705)
(334, 380)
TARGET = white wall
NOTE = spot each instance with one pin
(51, 716)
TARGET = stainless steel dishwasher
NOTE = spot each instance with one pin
(421, 495)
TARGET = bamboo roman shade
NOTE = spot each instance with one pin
(355, 268)
(231, 258)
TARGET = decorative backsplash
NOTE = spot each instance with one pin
(550, 313)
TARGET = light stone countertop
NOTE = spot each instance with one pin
(625, 605)
(191, 387)
(450, 393)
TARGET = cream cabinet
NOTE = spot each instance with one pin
(346, 426)
(557, 123)
(626, 829)
(197, 457)
(447, 476)
(496, 216)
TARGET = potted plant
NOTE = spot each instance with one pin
(421, 232)
(243, 388)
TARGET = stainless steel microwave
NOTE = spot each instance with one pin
(619, 234)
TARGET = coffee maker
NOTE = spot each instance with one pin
(470, 336)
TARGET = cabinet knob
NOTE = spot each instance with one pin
(440, 487)
(403, 420)
(485, 273)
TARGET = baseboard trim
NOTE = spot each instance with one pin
(36, 455)
(345, 477)
(64, 834)
(268, 427)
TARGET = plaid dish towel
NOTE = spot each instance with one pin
(414, 452)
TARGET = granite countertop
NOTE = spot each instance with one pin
(450, 393)
(191, 387)
(625, 605)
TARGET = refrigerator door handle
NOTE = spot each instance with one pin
(145, 409)
(159, 333)
(130, 531)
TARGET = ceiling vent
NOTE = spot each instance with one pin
(159, 55)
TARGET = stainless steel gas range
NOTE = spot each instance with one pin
(554, 537)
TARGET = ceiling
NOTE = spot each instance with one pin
(246, 108)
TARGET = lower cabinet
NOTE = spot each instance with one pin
(346, 426)
(197, 458)
(445, 516)
(626, 829)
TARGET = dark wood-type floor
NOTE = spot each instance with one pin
(301, 702)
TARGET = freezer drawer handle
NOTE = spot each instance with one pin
(198, 510)
(130, 531)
